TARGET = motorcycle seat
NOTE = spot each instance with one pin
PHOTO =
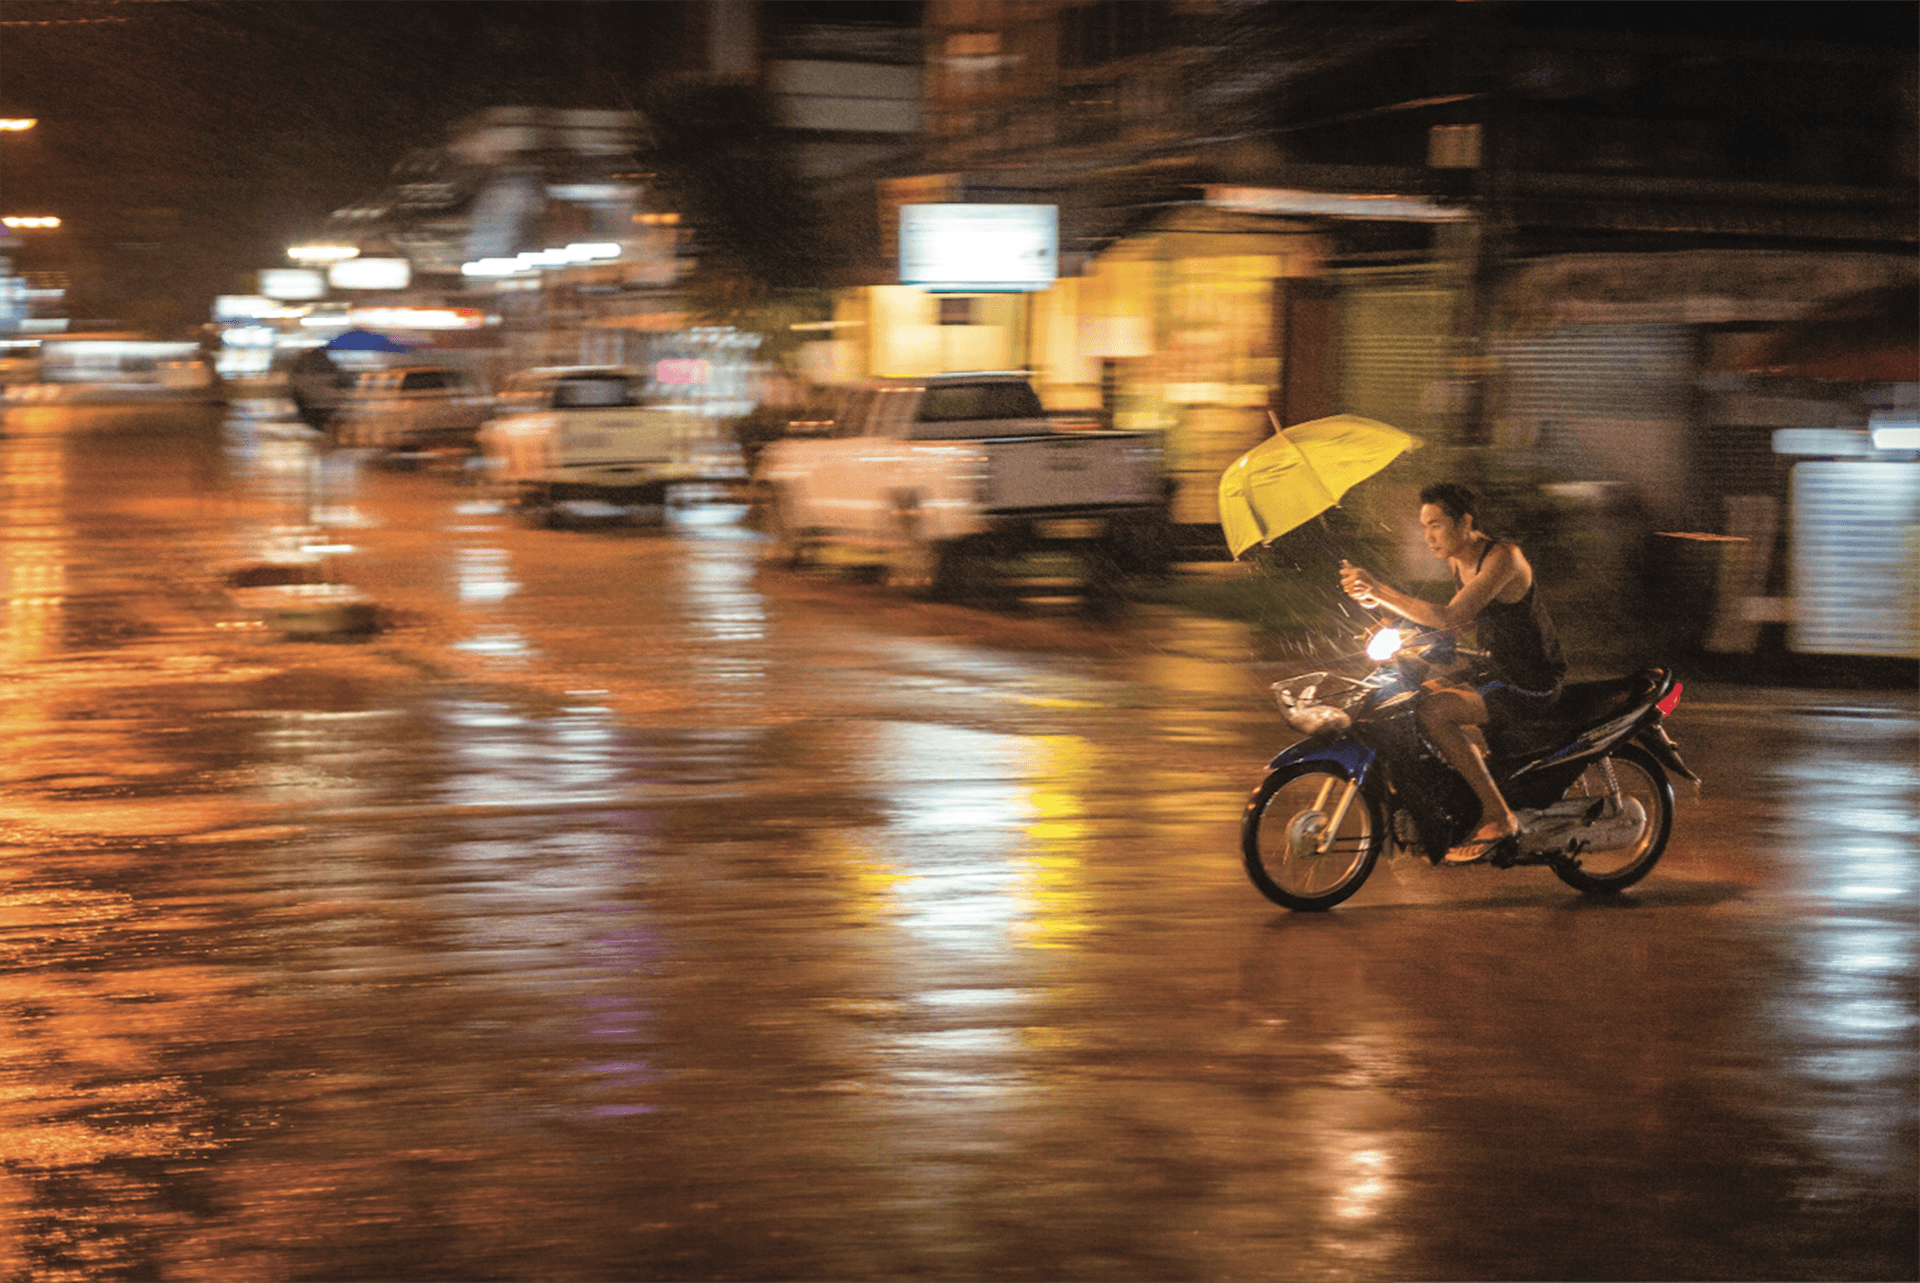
(1581, 705)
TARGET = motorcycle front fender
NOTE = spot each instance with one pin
(1354, 759)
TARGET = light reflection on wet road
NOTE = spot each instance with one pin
(622, 912)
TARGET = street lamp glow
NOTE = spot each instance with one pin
(14, 124)
(30, 221)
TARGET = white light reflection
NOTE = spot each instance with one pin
(1364, 1184)
(500, 644)
(1856, 988)
(503, 755)
(992, 836)
(483, 574)
(1864, 868)
(956, 808)
(726, 611)
(1848, 1026)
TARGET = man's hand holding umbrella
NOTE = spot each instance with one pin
(1359, 584)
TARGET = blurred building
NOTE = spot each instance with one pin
(1539, 230)
(1546, 234)
(542, 222)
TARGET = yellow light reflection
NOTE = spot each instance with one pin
(33, 547)
(873, 884)
(989, 839)
(1062, 767)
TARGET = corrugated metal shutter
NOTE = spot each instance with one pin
(1856, 558)
(1397, 348)
(1600, 403)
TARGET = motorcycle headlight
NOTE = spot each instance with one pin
(1384, 645)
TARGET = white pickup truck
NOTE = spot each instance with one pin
(563, 434)
(934, 478)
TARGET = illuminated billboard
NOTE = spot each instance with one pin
(979, 249)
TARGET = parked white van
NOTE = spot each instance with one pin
(598, 433)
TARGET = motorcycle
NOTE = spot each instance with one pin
(1590, 784)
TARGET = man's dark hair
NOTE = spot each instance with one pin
(1455, 500)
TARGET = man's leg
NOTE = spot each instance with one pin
(1446, 715)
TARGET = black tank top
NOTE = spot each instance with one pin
(1520, 638)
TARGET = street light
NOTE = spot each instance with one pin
(15, 125)
(18, 221)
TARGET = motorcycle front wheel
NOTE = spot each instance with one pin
(1310, 836)
(1632, 829)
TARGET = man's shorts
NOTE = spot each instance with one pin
(1508, 703)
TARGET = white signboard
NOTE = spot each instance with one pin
(292, 283)
(979, 249)
(243, 307)
(370, 274)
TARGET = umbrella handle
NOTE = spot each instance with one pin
(1348, 565)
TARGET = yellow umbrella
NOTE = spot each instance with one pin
(1300, 472)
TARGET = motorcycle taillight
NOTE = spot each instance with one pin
(1672, 701)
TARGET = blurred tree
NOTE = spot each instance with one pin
(723, 165)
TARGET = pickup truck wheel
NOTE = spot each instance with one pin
(1144, 546)
(784, 549)
(534, 505)
(972, 570)
(921, 567)
(1102, 576)
(645, 506)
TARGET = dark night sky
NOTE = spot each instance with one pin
(186, 143)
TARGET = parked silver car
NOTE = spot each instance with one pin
(414, 408)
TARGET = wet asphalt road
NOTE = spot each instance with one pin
(623, 911)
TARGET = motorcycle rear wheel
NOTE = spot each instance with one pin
(1643, 782)
(1283, 831)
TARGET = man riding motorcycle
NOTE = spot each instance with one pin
(1496, 590)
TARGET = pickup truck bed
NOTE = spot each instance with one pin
(1063, 473)
(905, 479)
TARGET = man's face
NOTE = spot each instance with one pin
(1445, 536)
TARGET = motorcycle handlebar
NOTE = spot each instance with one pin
(1437, 645)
